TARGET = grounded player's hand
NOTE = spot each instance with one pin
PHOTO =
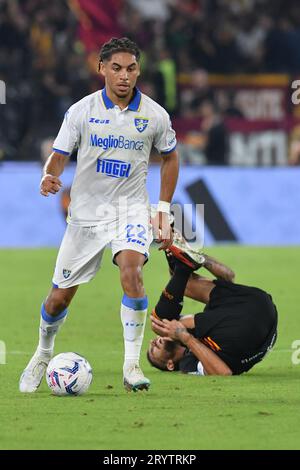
(172, 329)
(157, 326)
(50, 184)
(162, 230)
(176, 330)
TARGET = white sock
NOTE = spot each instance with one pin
(49, 327)
(133, 317)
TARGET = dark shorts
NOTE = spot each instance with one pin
(242, 363)
(239, 323)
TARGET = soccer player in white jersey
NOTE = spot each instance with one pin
(114, 130)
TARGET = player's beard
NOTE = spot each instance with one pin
(170, 347)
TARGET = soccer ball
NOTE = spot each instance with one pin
(69, 374)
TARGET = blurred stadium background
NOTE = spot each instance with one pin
(224, 70)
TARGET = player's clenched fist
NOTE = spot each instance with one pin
(173, 329)
(50, 184)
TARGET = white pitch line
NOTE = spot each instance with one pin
(21, 353)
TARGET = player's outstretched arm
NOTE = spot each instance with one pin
(53, 168)
(169, 175)
(212, 364)
(218, 269)
(199, 287)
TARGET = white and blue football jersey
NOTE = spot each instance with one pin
(113, 152)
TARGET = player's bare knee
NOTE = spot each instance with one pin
(57, 302)
(59, 299)
(55, 306)
(132, 281)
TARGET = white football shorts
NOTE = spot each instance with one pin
(80, 254)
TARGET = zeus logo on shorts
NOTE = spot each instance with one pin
(113, 168)
(134, 240)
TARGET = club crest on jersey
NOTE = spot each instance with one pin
(141, 124)
(66, 273)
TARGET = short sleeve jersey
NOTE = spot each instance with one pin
(113, 151)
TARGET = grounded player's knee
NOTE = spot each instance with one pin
(58, 300)
(132, 280)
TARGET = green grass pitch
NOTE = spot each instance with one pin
(258, 410)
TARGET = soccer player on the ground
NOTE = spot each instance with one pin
(114, 130)
(235, 331)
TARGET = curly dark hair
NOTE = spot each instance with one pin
(159, 366)
(119, 45)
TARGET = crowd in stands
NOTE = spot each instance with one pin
(49, 52)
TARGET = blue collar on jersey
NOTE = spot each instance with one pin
(133, 105)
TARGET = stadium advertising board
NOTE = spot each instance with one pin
(255, 206)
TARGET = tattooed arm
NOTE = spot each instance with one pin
(200, 287)
(211, 362)
(218, 269)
